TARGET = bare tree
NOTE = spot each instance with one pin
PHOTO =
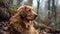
(49, 15)
(54, 9)
(38, 3)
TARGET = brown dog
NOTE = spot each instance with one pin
(23, 20)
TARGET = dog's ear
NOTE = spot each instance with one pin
(23, 25)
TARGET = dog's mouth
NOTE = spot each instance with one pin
(31, 17)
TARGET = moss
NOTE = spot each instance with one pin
(1, 0)
(13, 10)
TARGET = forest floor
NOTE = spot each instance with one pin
(5, 28)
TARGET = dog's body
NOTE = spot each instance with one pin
(23, 20)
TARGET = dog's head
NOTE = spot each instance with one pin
(27, 12)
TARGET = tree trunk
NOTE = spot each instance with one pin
(38, 3)
(54, 9)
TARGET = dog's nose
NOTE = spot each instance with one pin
(35, 15)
